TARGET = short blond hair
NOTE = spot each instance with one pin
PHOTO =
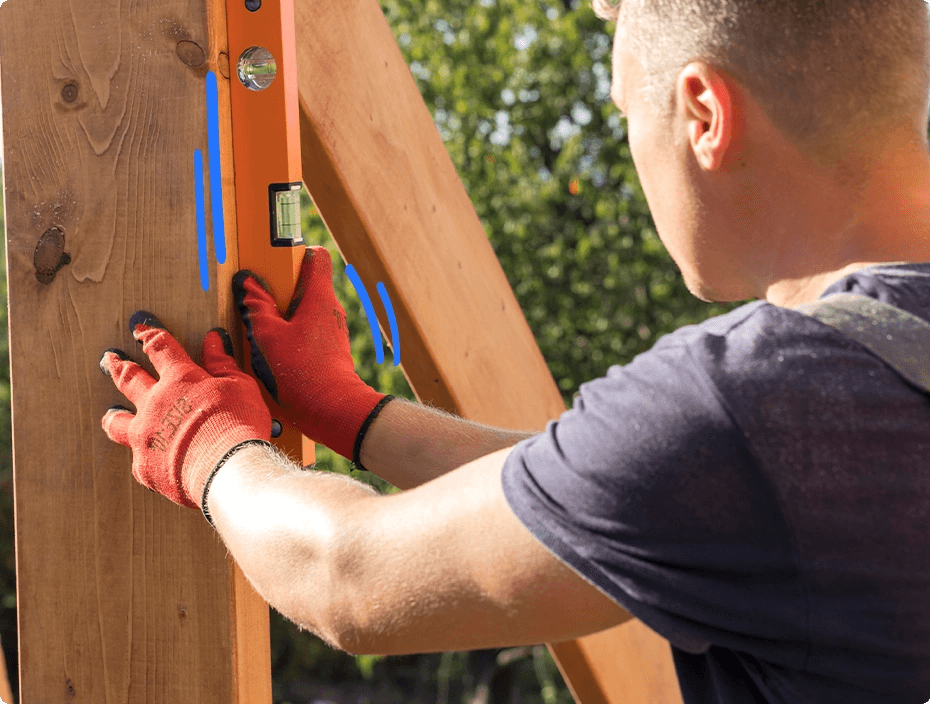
(817, 67)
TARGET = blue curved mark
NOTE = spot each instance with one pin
(216, 168)
(369, 311)
(395, 336)
(201, 221)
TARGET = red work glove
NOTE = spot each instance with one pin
(189, 421)
(303, 358)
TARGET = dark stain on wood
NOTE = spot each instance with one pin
(50, 255)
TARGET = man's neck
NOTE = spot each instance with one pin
(890, 225)
(796, 292)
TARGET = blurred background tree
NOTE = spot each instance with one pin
(519, 91)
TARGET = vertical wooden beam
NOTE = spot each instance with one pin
(381, 178)
(122, 596)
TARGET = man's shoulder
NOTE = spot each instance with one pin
(761, 338)
(753, 333)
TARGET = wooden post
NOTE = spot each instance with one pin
(385, 186)
(123, 597)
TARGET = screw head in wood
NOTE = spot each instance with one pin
(252, 5)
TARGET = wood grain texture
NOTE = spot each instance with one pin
(386, 188)
(123, 597)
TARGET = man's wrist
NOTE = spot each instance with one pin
(219, 465)
(337, 416)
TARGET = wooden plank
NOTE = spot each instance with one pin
(123, 597)
(628, 663)
(381, 178)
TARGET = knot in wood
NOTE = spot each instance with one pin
(69, 93)
(223, 64)
(50, 255)
(191, 53)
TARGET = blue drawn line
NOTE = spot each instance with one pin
(216, 168)
(395, 336)
(369, 311)
(201, 221)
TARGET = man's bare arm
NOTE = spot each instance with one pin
(409, 444)
(444, 566)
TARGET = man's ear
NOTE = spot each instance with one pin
(707, 103)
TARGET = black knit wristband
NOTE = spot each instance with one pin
(364, 429)
(223, 460)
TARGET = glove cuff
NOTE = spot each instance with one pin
(341, 416)
(356, 450)
(216, 430)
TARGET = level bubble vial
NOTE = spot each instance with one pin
(284, 202)
(257, 68)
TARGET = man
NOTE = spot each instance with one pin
(755, 488)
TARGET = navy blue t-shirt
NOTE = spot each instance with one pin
(755, 489)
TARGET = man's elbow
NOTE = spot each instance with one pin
(353, 612)
(331, 627)
(332, 608)
(340, 631)
(351, 642)
(367, 628)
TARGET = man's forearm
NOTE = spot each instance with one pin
(409, 443)
(283, 525)
(280, 522)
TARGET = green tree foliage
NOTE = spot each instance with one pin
(520, 92)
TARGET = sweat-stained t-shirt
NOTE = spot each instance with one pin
(755, 489)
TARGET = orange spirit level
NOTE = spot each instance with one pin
(266, 152)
